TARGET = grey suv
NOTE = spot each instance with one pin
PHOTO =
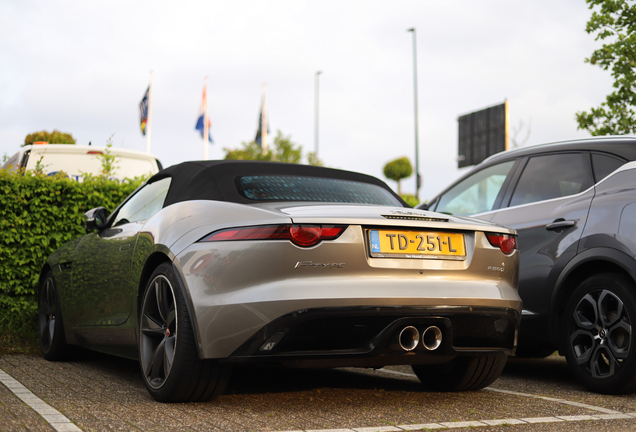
(574, 206)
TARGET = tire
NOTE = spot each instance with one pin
(170, 365)
(461, 373)
(600, 345)
(50, 324)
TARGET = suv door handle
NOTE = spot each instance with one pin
(560, 224)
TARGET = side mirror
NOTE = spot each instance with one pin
(95, 219)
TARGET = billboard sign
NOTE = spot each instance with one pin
(481, 134)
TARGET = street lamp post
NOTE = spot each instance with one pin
(417, 158)
(316, 116)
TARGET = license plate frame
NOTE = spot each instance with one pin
(416, 244)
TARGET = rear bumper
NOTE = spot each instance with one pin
(367, 336)
(238, 289)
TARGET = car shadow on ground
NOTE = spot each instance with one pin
(260, 379)
(257, 379)
(273, 379)
(550, 371)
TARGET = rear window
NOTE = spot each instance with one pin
(604, 165)
(300, 188)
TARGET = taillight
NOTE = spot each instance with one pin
(506, 242)
(301, 235)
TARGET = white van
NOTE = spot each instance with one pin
(75, 160)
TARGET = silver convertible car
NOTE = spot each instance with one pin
(217, 263)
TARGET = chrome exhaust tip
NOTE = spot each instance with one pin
(405, 339)
(432, 338)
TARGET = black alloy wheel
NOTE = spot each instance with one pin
(50, 325)
(158, 331)
(598, 334)
(171, 367)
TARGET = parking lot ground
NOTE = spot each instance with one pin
(104, 393)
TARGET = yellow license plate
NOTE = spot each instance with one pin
(416, 244)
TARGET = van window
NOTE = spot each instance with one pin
(14, 162)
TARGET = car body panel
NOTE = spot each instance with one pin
(102, 276)
(78, 160)
(614, 206)
(263, 294)
(552, 261)
(543, 251)
(238, 291)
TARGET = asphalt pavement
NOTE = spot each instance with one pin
(103, 393)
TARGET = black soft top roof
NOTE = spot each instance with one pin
(216, 179)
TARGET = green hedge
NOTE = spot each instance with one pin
(37, 215)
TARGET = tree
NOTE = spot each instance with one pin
(108, 160)
(55, 137)
(410, 199)
(615, 22)
(397, 170)
(312, 159)
(284, 150)
(516, 131)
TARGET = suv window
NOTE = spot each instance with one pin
(552, 176)
(145, 203)
(603, 165)
(477, 193)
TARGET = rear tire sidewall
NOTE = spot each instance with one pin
(186, 373)
(57, 347)
(623, 379)
(463, 373)
(164, 392)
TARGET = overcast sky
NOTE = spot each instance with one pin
(82, 67)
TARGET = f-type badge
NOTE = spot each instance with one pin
(312, 264)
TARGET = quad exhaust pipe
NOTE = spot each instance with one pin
(405, 339)
(408, 338)
(432, 338)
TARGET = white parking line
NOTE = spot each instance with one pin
(608, 414)
(62, 424)
(561, 401)
(52, 416)
(473, 424)
(529, 395)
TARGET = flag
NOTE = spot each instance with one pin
(143, 111)
(202, 114)
(259, 132)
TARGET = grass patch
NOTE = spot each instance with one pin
(19, 341)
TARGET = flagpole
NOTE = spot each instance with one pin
(316, 116)
(206, 129)
(418, 179)
(149, 121)
(264, 120)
